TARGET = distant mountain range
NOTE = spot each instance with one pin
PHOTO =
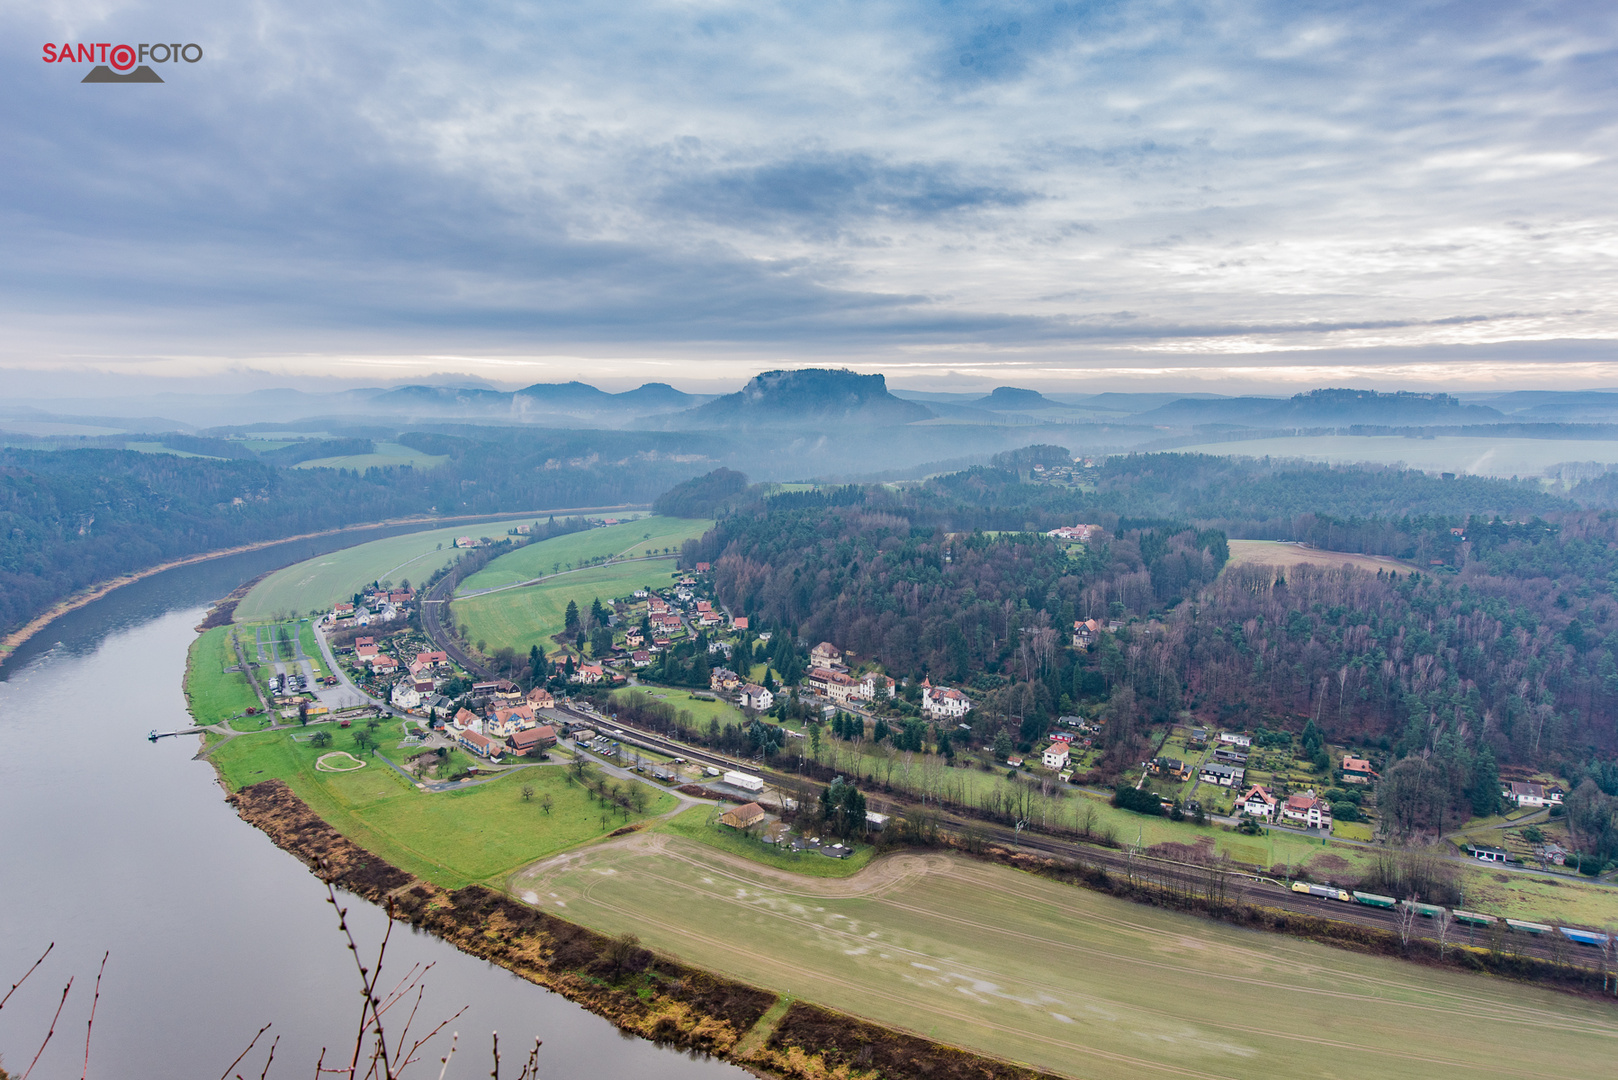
(575, 399)
(807, 396)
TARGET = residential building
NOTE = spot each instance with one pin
(1357, 770)
(1223, 775)
(1170, 767)
(723, 679)
(875, 685)
(1229, 757)
(825, 657)
(478, 744)
(405, 696)
(589, 674)
(1532, 795)
(640, 658)
(942, 703)
(1086, 632)
(1055, 756)
(1308, 810)
(541, 698)
(1258, 802)
(756, 697)
(467, 720)
(1081, 533)
(1233, 739)
(739, 623)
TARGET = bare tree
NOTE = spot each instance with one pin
(1443, 921)
(1406, 920)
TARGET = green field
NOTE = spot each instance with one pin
(529, 616)
(701, 709)
(630, 539)
(315, 584)
(1069, 980)
(311, 649)
(1446, 453)
(480, 833)
(386, 454)
(213, 694)
(700, 824)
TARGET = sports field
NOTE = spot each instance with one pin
(315, 584)
(1279, 553)
(1065, 979)
(453, 838)
(528, 616)
(632, 539)
(1445, 453)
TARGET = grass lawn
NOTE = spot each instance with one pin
(681, 699)
(628, 540)
(1069, 980)
(386, 454)
(214, 694)
(529, 616)
(316, 584)
(701, 824)
(480, 833)
(311, 649)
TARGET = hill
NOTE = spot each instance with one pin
(810, 395)
(1015, 399)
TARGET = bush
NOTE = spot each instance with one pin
(1138, 800)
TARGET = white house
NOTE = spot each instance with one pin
(1532, 795)
(1307, 810)
(756, 697)
(405, 696)
(1235, 740)
(825, 656)
(942, 703)
(1258, 802)
(1055, 756)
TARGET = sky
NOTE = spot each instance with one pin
(1160, 195)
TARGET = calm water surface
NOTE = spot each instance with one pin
(108, 842)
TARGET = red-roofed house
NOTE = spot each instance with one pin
(1308, 810)
(942, 703)
(532, 740)
(478, 744)
(541, 698)
(1258, 802)
(739, 624)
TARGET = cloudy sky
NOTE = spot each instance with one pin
(1071, 195)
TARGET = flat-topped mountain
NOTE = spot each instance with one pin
(808, 395)
(1014, 399)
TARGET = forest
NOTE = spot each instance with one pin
(1500, 655)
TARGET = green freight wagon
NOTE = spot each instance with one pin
(1430, 911)
(1373, 900)
(1472, 918)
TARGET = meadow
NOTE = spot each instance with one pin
(700, 825)
(1280, 553)
(480, 833)
(528, 616)
(214, 694)
(631, 539)
(1065, 979)
(386, 454)
(315, 584)
(1444, 453)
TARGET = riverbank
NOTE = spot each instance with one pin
(89, 595)
(642, 993)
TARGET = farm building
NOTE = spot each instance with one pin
(742, 817)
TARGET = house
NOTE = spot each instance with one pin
(1532, 795)
(756, 697)
(833, 684)
(405, 696)
(642, 658)
(1229, 757)
(590, 674)
(876, 685)
(430, 659)
(505, 688)
(1055, 756)
(1086, 632)
(505, 721)
(942, 703)
(825, 657)
(1357, 770)
(1081, 533)
(657, 606)
(1167, 766)
(468, 720)
(340, 610)
(1223, 775)
(742, 817)
(485, 689)
(384, 665)
(541, 698)
(723, 679)
(704, 606)
(1231, 739)
(1258, 803)
(478, 744)
(739, 623)
(365, 647)
(702, 568)
(531, 740)
(634, 638)
(1307, 810)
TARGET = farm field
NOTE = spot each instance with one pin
(575, 549)
(452, 838)
(1280, 553)
(315, 584)
(1445, 453)
(1065, 979)
(386, 454)
(522, 618)
(215, 695)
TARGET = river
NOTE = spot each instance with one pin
(109, 842)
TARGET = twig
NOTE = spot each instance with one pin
(89, 1027)
(226, 1074)
(27, 973)
(496, 1072)
(453, 1039)
(269, 1059)
(52, 1031)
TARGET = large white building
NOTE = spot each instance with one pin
(942, 703)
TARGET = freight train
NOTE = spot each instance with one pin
(1430, 911)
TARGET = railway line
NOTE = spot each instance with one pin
(1243, 885)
